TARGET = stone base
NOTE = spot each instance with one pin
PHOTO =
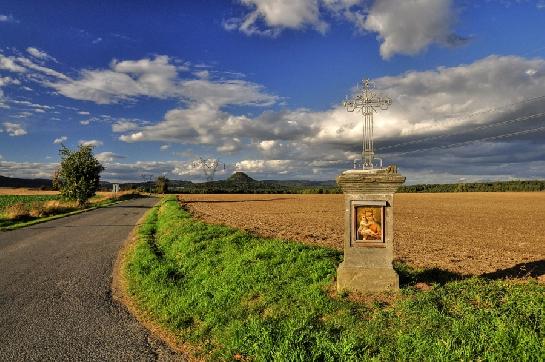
(360, 279)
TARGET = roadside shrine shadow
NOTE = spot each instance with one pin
(532, 269)
(229, 201)
(409, 276)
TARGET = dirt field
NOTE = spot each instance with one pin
(467, 233)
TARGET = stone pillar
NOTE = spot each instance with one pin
(368, 230)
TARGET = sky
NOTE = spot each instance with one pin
(259, 85)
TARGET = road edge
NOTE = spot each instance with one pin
(121, 295)
(57, 216)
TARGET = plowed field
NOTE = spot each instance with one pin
(466, 233)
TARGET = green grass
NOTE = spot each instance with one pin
(229, 292)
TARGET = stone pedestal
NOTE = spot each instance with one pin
(368, 230)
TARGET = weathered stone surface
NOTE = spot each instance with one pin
(369, 181)
(367, 266)
(366, 280)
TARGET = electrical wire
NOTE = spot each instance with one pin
(467, 116)
(459, 144)
(487, 126)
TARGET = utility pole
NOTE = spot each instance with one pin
(147, 177)
(209, 167)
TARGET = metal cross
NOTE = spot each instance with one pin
(368, 101)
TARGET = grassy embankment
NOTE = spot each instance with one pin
(233, 295)
(22, 210)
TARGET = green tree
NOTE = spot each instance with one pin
(79, 174)
(161, 185)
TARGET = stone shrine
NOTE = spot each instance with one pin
(368, 250)
(368, 206)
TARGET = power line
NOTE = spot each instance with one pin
(489, 110)
(492, 125)
(459, 144)
(495, 109)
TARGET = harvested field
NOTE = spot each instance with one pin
(466, 233)
(25, 191)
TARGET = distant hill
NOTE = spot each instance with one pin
(241, 183)
(24, 182)
(240, 177)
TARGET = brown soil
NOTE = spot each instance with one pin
(502, 234)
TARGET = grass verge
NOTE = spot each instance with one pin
(26, 219)
(235, 296)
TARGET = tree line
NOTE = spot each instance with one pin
(497, 186)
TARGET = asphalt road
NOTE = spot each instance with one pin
(55, 291)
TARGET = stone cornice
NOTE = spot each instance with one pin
(380, 181)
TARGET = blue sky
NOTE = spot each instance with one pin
(259, 84)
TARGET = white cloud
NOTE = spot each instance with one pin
(9, 64)
(94, 143)
(278, 14)
(4, 81)
(14, 129)
(219, 93)
(27, 169)
(39, 54)
(230, 145)
(108, 156)
(408, 27)
(60, 140)
(7, 19)
(28, 64)
(404, 27)
(202, 74)
(85, 122)
(273, 166)
(123, 81)
(164, 147)
(84, 113)
(157, 78)
(124, 125)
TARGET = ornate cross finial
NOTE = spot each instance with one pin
(367, 101)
